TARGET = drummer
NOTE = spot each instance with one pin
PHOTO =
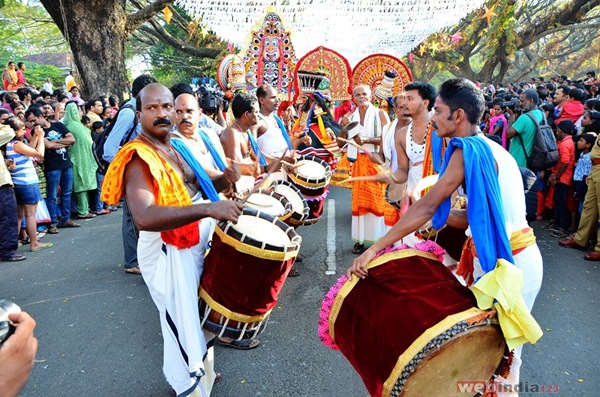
(164, 190)
(492, 192)
(239, 143)
(272, 136)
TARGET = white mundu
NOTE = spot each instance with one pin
(272, 142)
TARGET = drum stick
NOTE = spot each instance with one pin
(361, 178)
(361, 148)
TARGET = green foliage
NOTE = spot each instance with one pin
(36, 73)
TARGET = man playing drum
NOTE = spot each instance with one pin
(495, 213)
(165, 191)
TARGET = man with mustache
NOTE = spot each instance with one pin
(174, 204)
(126, 128)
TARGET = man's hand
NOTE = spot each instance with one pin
(358, 139)
(359, 266)
(226, 210)
(17, 355)
(231, 174)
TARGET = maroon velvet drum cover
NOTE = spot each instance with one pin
(244, 272)
(311, 176)
(411, 328)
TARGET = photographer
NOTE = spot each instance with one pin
(523, 128)
(212, 102)
(17, 354)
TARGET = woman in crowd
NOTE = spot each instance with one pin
(84, 165)
(10, 78)
(24, 176)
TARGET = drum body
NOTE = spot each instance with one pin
(300, 208)
(394, 192)
(244, 273)
(311, 176)
(410, 328)
(271, 203)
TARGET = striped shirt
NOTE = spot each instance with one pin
(24, 172)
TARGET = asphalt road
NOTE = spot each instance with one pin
(99, 333)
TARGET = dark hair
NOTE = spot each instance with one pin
(595, 126)
(242, 103)
(566, 126)
(578, 95)
(261, 91)
(11, 97)
(85, 119)
(550, 87)
(96, 125)
(90, 103)
(140, 82)
(463, 94)
(566, 89)
(542, 92)
(20, 64)
(104, 109)
(15, 123)
(426, 91)
(16, 104)
(181, 88)
(592, 73)
(36, 111)
(4, 111)
(113, 99)
(23, 92)
(533, 95)
(35, 97)
(58, 92)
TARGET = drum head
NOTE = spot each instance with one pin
(394, 192)
(260, 229)
(473, 355)
(309, 169)
(265, 203)
(292, 196)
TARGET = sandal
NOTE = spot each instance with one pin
(358, 248)
(52, 229)
(244, 344)
(294, 272)
(41, 247)
(89, 215)
(103, 212)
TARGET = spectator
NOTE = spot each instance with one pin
(58, 169)
(524, 128)
(9, 77)
(94, 109)
(25, 179)
(561, 178)
(74, 91)
(4, 115)
(47, 86)
(8, 207)
(84, 165)
(21, 80)
(583, 167)
(591, 122)
(24, 94)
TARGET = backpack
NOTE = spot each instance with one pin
(98, 145)
(544, 152)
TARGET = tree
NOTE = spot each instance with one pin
(517, 38)
(97, 30)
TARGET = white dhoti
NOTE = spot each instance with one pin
(173, 276)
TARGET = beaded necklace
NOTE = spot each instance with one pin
(422, 143)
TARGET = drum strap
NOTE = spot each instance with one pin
(283, 131)
(213, 151)
(256, 149)
(205, 182)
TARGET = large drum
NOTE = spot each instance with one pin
(244, 273)
(410, 328)
(300, 209)
(311, 175)
(270, 202)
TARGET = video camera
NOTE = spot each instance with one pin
(513, 104)
(6, 326)
(211, 96)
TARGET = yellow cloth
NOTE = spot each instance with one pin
(504, 285)
(168, 188)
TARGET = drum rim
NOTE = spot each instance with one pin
(228, 332)
(395, 204)
(287, 206)
(313, 182)
(244, 243)
(306, 210)
(216, 306)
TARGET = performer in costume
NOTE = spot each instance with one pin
(368, 198)
(167, 191)
(502, 256)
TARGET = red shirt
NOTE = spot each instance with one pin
(566, 153)
(572, 110)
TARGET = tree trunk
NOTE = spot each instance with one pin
(96, 33)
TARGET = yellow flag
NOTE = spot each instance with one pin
(168, 15)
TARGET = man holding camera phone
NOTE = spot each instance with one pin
(17, 354)
(524, 127)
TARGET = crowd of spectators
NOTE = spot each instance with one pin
(572, 108)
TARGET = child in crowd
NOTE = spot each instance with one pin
(562, 176)
(583, 167)
(97, 129)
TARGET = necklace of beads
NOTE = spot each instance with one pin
(177, 160)
(421, 145)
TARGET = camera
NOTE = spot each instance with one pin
(211, 96)
(6, 326)
(513, 104)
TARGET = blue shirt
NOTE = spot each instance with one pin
(207, 122)
(583, 167)
(123, 124)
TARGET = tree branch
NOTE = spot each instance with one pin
(138, 18)
(160, 33)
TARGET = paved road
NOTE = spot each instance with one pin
(99, 333)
